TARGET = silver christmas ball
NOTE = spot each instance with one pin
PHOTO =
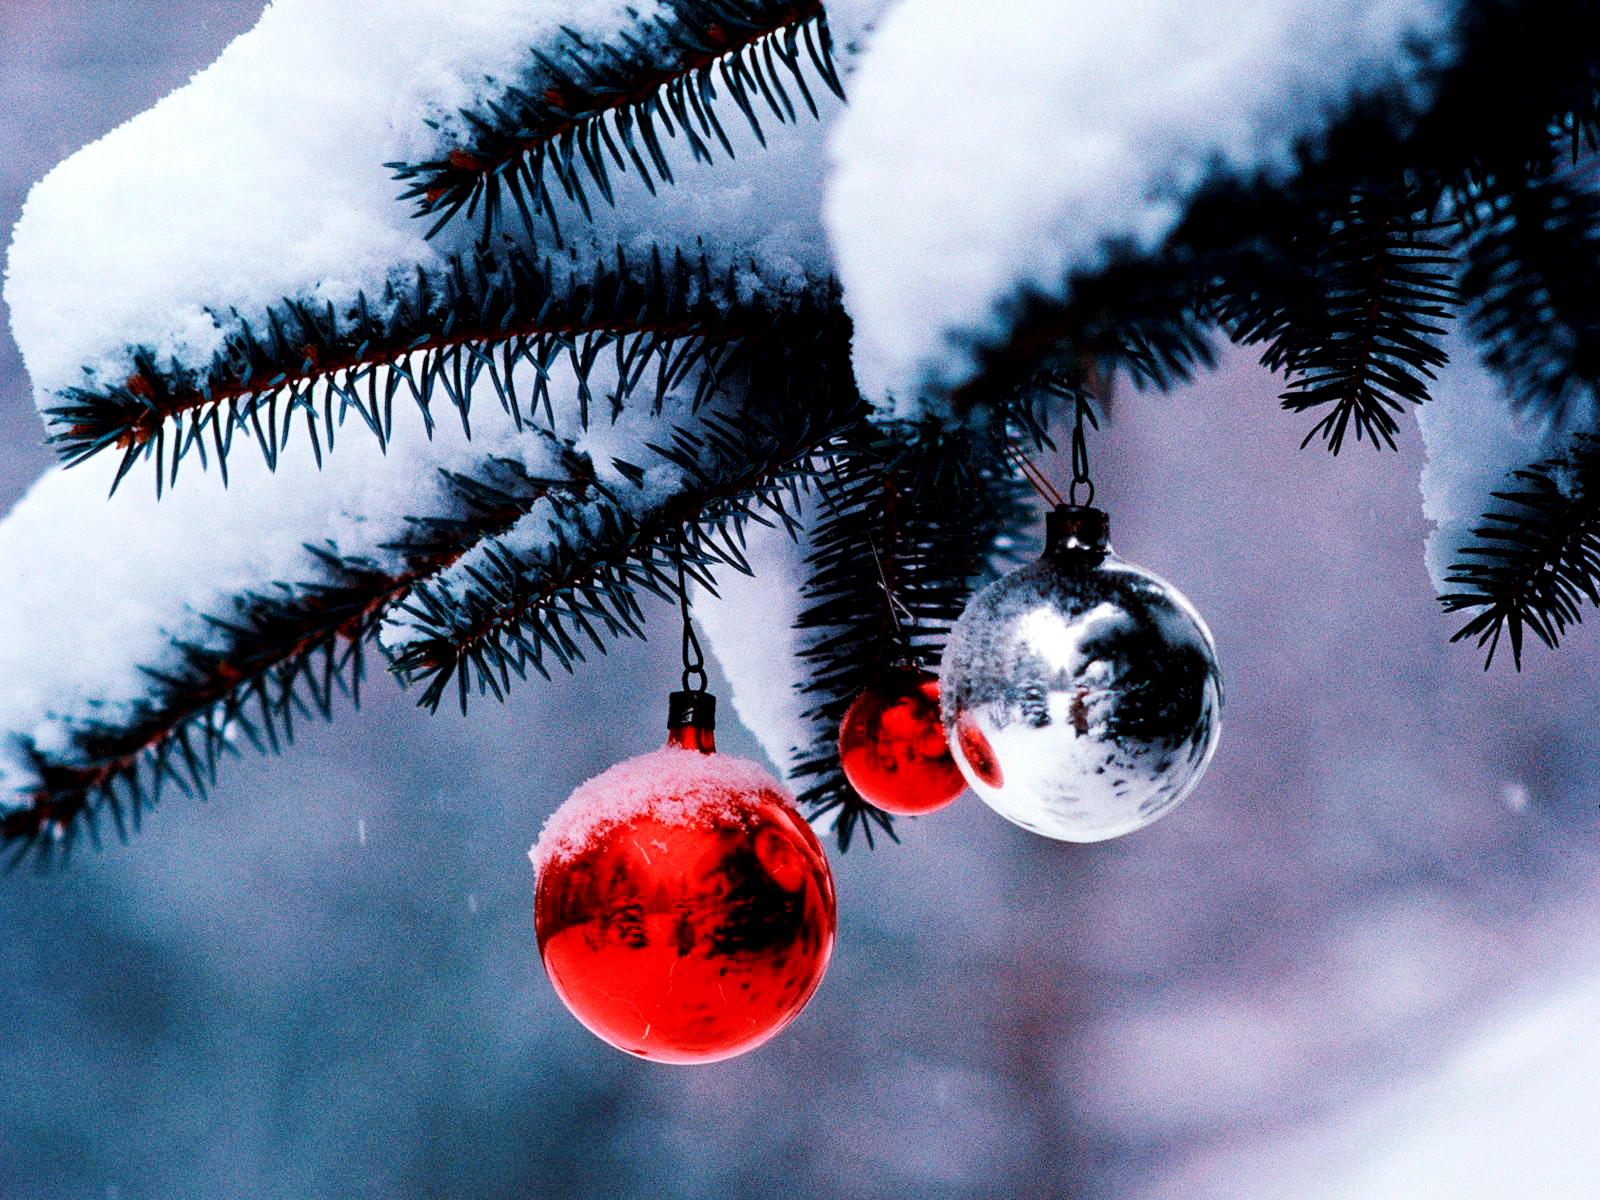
(1081, 694)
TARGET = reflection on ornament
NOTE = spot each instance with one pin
(893, 748)
(685, 911)
(976, 752)
(1082, 692)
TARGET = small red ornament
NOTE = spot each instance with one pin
(684, 910)
(892, 745)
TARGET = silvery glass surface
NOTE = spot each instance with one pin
(1081, 694)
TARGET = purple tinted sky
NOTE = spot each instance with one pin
(253, 999)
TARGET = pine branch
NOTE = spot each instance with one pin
(1533, 256)
(909, 511)
(577, 585)
(586, 110)
(649, 326)
(1522, 85)
(1352, 300)
(1142, 319)
(1536, 559)
(1367, 344)
(279, 657)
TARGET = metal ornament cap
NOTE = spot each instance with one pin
(1081, 694)
(692, 721)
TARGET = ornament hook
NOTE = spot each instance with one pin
(694, 659)
(1080, 453)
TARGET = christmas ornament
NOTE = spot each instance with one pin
(892, 745)
(1081, 693)
(684, 909)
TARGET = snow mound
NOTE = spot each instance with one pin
(264, 178)
(261, 178)
(1474, 438)
(672, 785)
(96, 589)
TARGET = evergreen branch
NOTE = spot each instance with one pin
(651, 325)
(910, 516)
(520, 607)
(1536, 559)
(1532, 259)
(1542, 103)
(1361, 339)
(1339, 270)
(587, 110)
(1142, 319)
(280, 656)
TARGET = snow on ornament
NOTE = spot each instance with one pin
(1081, 693)
(892, 745)
(684, 909)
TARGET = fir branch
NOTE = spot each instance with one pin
(1532, 259)
(1380, 284)
(1520, 88)
(1144, 320)
(586, 110)
(520, 608)
(280, 656)
(1536, 558)
(649, 324)
(911, 515)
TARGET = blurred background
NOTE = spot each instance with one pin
(1359, 963)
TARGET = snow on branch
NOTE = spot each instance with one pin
(568, 573)
(483, 317)
(149, 638)
(260, 179)
(156, 263)
(586, 109)
(994, 156)
(234, 263)
(748, 622)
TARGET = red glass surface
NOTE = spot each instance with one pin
(689, 944)
(893, 749)
(979, 754)
(693, 737)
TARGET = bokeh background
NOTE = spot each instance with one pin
(1359, 963)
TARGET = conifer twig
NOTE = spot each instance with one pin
(282, 653)
(590, 110)
(1536, 558)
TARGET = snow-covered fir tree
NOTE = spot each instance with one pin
(456, 335)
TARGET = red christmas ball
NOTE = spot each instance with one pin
(685, 911)
(893, 748)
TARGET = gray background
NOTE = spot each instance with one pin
(1392, 852)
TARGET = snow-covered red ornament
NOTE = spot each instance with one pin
(684, 909)
(892, 746)
(1081, 693)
